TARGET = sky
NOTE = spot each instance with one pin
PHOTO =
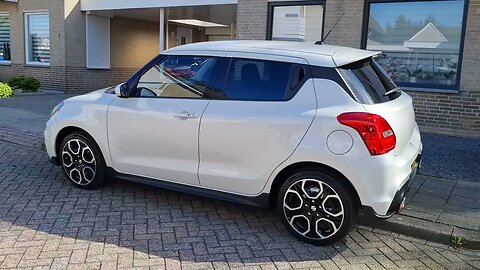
(447, 13)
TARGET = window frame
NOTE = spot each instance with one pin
(135, 79)
(26, 14)
(7, 62)
(273, 4)
(421, 87)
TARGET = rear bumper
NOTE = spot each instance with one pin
(398, 201)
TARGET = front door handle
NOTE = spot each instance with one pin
(185, 115)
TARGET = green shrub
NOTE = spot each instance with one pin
(27, 84)
(14, 82)
(5, 90)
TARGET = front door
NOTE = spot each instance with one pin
(154, 133)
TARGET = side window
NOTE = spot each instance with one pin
(176, 77)
(260, 80)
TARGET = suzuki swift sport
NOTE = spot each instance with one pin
(319, 132)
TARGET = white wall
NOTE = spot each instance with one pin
(128, 4)
(98, 42)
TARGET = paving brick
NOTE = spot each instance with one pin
(50, 224)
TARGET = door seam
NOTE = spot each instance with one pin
(198, 142)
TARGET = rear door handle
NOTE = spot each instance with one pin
(185, 115)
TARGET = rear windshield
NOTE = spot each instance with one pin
(368, 82)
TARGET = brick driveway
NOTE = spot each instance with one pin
(46, 223)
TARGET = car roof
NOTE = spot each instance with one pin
(319, 55)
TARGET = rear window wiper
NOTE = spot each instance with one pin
(394, 90)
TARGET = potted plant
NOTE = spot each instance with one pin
(449, 76)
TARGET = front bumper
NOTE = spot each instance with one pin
(54, 161)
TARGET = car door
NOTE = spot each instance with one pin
(154, 132)
(266, 109)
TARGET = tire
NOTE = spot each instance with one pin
(82, 161)
(315, 197)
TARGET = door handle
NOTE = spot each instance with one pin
(185, 115)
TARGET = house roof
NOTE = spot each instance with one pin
(429, 33)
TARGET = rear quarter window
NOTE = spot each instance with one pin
(368, 82)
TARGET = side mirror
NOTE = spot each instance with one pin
(121, 90)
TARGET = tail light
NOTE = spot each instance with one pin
(375, 131)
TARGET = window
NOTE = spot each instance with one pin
(421, 41)
(177, 77)
(292, 22)
(258, 80)
(37, 39)
(5, 55)
(368, 82)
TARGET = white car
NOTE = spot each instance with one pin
(316, 131)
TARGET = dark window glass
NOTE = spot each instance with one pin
(369, 82)
(216, 83)
(420, 41)
(5, 37)
(177, 77)
(257, 80)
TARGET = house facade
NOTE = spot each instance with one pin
(431, 48)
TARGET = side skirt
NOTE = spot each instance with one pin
(261, 200)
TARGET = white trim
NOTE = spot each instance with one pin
(5, 62)
(87, 5)
(99, 67)
(25, 37)
(162, 30)
(35, 11)
(37, 64)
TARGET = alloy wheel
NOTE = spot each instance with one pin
(79, 161)
(313, 209)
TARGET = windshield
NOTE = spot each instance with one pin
(368, 82)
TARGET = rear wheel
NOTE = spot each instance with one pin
(82, 161)
(316, 208)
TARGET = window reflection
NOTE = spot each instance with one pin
(420, 41)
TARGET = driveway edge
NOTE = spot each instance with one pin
(424, 229)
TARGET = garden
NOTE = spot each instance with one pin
(19, 85)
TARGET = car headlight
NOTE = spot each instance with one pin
(56, 108)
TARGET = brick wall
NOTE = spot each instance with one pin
(252, 19)
(453, 114)
(54, 76)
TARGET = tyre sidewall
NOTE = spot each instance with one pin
(345, 196)
(100, 170)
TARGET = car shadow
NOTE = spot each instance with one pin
(150, 220)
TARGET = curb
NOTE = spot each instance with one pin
(424, 229)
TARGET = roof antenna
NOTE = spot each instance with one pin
(325, 37)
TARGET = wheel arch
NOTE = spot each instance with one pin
(64, 132)
(283, 175)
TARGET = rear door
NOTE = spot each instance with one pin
(256, 123)
(372, 87)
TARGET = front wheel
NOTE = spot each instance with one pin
(316, 208)
(82, 161)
